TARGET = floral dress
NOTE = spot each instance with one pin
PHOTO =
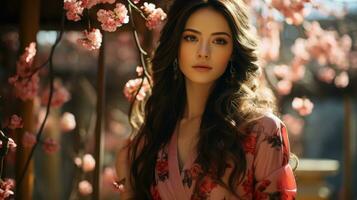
(268, 174)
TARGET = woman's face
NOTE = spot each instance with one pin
(206, 46)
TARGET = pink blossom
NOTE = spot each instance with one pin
(28, 140)
(136, 1)
(297, 69)
(6, 188)
(326, 74)
(313, 29)
(74, 9)
(24, 64)
(85, 188)
(15, 122)
(269, 33)
(50, 146)
(293, 10)
(342, 80)
(284, 87)
(25, 87)
(111, 20)
(299, 49)
(339, 58)
(269, 49)
(282, 71)
(68, 122)
(155, 18)
(139, 70)
(30, 53)
(92, 40)
(59, 97)
(345, 43)
(327, 47)
(78, 161)
(302, 105)
(295, 125)
(148, 8)
(88, 163)
(155, 15)
(107, 20)
(132, 86)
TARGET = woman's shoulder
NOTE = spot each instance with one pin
(267, 124)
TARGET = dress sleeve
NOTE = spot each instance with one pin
(274, 178)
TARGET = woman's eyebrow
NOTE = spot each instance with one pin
(216, 33)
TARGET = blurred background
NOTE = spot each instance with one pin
(308, 53)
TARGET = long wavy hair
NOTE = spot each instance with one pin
(234, 101)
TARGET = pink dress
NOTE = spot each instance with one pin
(268, 174)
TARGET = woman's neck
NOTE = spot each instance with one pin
(196, 98)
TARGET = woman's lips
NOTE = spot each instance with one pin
(202, 68)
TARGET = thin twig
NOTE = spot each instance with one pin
(38, 137)
(138, 45)
(137, 42)
(131, 4)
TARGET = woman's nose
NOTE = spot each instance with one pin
(203, 50)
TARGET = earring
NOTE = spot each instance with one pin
(175, 66)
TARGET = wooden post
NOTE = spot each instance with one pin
(29, 26)
(99, 136)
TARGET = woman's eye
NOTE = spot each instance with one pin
(189, 38)
(220, 41)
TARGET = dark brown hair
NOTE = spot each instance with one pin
(233, 102)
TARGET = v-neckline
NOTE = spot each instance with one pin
(176, 176)
(189, 160)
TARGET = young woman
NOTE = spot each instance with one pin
(208, 128)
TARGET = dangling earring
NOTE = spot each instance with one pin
(175, 65)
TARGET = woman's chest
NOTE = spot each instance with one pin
(191, 182)
(187, 135)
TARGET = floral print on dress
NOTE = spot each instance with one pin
(249, 144)
(266, 142)
(204, 188)
(274, 141)
(162, 166)
(259, 193)
(248, 183)
(189, 175)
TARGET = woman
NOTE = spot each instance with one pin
(208, 131)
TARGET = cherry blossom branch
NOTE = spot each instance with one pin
(138, 45)
(51, 77)
(137, 42)
(131, 4)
